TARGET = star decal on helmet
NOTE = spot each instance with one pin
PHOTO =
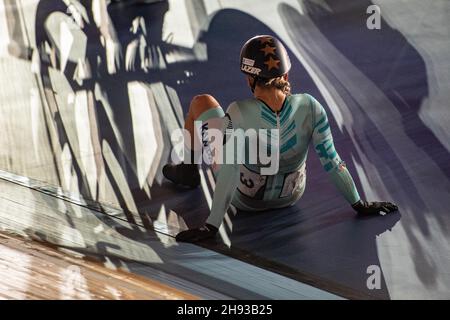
(272, 63)
(264, 40)
(268, 50)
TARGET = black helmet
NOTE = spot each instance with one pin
(264, 57)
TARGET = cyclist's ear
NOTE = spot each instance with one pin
(286, 77)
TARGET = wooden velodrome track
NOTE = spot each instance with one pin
(90, 95)
(29, 270)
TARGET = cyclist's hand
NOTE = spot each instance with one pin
(196, 235)
(373, 208)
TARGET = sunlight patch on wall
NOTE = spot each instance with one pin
(145, 142)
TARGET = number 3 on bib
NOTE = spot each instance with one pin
(251, 183)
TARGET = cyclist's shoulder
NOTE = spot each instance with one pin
(301, 99)
(306, 101)
(242, 107)
(246, 103)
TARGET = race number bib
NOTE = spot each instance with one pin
(251, 183)
(293, 181)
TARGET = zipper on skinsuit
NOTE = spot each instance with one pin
(279, 129)
(279, 136)
(274, 178)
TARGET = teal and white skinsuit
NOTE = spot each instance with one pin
(301, 120)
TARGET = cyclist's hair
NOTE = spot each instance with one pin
(278, 83)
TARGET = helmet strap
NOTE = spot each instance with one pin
(255, 79)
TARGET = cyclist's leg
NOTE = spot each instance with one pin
(206, 111)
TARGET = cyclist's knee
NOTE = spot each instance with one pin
(201, 103)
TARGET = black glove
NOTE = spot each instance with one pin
(195, 235)
(373, 208)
